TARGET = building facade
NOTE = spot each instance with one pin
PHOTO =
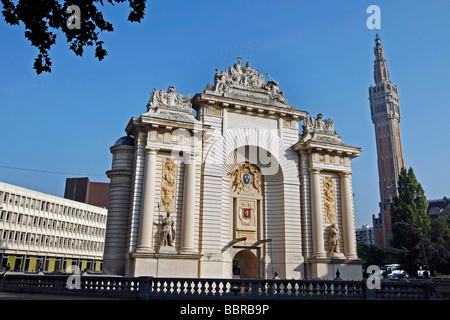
(438, 207)
(385, 113)
(39, 231)
(84, 190)
(366, 235)
(225, 184)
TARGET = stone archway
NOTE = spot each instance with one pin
(277, 214)
(245, 265)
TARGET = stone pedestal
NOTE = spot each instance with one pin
(167, 249)
(165, 264)
(326, 268)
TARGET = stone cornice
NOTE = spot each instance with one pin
(119, 171)
(156, 255)
(313, 146)
(146, 122)
(252, 104)
(328, 260)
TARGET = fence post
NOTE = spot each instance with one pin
(2, 281)
(145, 287)
(255, 288)
(431, 292)
(59, 284)
(369, 294)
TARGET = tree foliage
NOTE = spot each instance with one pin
(411, 226)
(440, 245)
(371, 254)
(411, 204)
(42, 18)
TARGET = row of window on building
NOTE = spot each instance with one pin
(17, 238)
(381, 88)
(48, 206)
(383, 108)
(366, 235)
(48, 223)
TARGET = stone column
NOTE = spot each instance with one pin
(115, 253)
(348, 229)
(316, 215)
(188, 218)
(145, 242)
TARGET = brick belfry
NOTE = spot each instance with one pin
(385, 112)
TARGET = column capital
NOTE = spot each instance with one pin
(151, 150)
(189, 157)
(314, 170)
(345, 174)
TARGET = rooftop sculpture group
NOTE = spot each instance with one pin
(169, 99)
(246, 77)
(319, 125)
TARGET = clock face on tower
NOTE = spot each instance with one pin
(389, 188)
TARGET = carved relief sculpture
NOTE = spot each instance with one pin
(245, 178)
(168, 185)
(329, 190)
(246, 213)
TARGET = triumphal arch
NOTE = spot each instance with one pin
(232, 182)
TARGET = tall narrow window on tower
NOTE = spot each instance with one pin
(385, 111)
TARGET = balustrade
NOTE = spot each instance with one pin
(178, 288)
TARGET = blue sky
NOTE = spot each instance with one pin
(321, 52)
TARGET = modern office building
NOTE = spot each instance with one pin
(84, 190)
(40, 231)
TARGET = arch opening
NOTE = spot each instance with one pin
(245, 265)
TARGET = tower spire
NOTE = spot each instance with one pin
(381, 72)
(385, 111)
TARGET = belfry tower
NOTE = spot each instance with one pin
(385, 112)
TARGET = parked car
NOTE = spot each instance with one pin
(389, 269)
(423, 273)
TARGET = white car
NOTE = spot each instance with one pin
(398, 274)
